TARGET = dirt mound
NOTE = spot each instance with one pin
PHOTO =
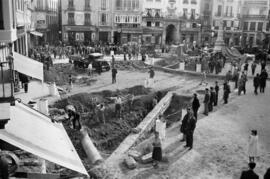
(168, 61)
(59, 73)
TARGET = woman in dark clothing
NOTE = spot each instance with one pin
(157, 150)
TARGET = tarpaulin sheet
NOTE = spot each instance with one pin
(28, 66)
(35, 133)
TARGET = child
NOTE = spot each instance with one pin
(253, 146)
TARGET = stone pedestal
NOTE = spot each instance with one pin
(219, 44)
(182, 66)
(199, 68)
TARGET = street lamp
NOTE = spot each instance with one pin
(6, 90)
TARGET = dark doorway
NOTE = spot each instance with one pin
(170, 34)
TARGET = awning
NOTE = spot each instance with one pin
(36, 33)
(28, 66)
(35, 133)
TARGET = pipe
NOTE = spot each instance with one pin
(91, 151)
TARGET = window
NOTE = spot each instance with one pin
(87, 19)
(219, 11)
(260, 26)
(185, 13)
(192, 14)
(70, 3)
(148, 24)
(157, 24)
(1, 15)
(103, 4)
(193, 2)
(268, 27)
(87, 3)
(207, 7)
(149, 12)
(118, 4)
(185, 1)
(252, 26)
(71, 18)
(103, 19)
(20, 5)
(245, 26)
(157, 13)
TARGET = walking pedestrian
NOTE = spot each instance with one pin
(250, 174)
(157, 150)
(256, 83)
(217, 91)
(195, 105)
(206, 102)
(253, 146)
(226, 92)
(114, 72)
(263, 78)
(90, 69)
(212, 98)
(253, 67)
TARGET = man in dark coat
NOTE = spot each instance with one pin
(216, 90)
(195, 106)
(212, 98)
(263, 78)
(114, 72)
(267, 174)
(189, 129)
(184, 124)
(253, 67)
(24, 79)
(249, 174)
(206, 101)
(256, 83)
(226, 92)
(4, 169)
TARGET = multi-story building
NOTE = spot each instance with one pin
(77, 21)
(206, 21)
(171, 21)
(152, 21)
(227, 12)
(254, 22)
(127, 21)
(46, 20)
(104, 20)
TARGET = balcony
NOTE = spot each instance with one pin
(256, 3)
(71, 8)
(87, 8)
(71, 22)
(255, 16)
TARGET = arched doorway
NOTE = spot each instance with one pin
(170, 34)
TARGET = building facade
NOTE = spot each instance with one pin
(255, 23)
(45, 16)
(127, 21)
(78, 25)
(226, 15)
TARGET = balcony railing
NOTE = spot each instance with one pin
(87, 8)
(256, 3)
(71, 22)
(255, 16)
(71, 8)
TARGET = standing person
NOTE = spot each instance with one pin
(226, 91)
(263, 78)
(253, 146)
(263, 64)
(101, 115)
(157, 150)
(217, 91)
(184, 123)
(25, 80)
(190, 127)
(113, 61)
(246, 68)
(114, 72)
(195, 105)
(256, 83)
(244, 76)
(253, 67)
(250, 174)
(151, 76)
(70, 84)
(206, 102)
(228, 76)
(212, 98)
(74, 117)
(236, 78)
(90, 69)
(118, 103)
